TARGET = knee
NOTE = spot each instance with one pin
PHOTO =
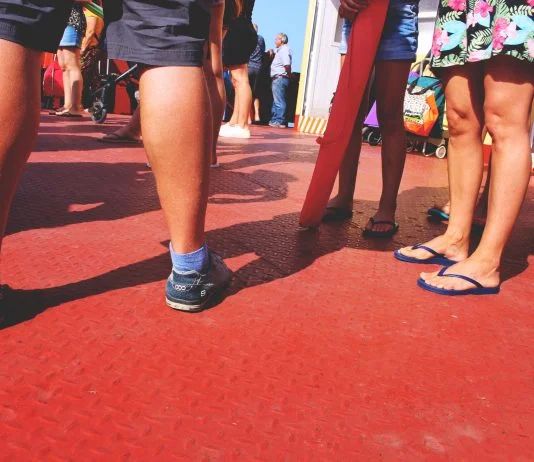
(501, 125)
(463, 121)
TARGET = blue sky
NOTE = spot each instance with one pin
(289, 16)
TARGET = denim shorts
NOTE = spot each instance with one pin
(71, 38)
(399, 37)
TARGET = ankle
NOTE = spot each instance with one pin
(387, 208)
(456, 236)
(490, 261)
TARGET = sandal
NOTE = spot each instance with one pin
(435, 259)
(381, 234)
(436, 213)
(115, 138)
(479, 289)
(69, 115)
(56, 111)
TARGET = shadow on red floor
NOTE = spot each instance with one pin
(323, 348)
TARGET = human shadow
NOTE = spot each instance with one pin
(60, 194)
(281, 250)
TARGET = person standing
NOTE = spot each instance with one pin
(239, 43)
(176, 119)
(68, 54)
(484, 55)
(280, 75)
(395, 54)
(255, 64)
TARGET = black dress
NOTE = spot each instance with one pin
(241, 39)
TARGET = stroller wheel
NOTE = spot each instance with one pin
(365, 133)
(99, 113)
(410, 146)
(374, 138)
(441, 151)
(429, 149)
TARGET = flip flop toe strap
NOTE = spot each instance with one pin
(460, 276)
(428, 249)
(382, 222)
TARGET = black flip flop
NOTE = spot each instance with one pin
(69, 115)
(333, 214)
(381, 234)
(55, 111)
(117, 139)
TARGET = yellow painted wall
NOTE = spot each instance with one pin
(306, 56)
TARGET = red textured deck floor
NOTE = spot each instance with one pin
(324, 348)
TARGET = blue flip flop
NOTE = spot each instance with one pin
(437, 259)
(437, 214)
(479, 289)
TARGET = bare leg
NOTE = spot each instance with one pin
(481, 209)
(257, 117)
(243, 95)
(235, 113)
(67, 97)
(130, 131)
(72, 79)
(19, 128)
(506, 79)
(349, 167)
(213, 69)
(464, 96)
(178, 144)
(391, 77)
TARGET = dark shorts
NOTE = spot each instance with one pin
(35, 24)
(239, 43)
(163, 33)
(253, 78)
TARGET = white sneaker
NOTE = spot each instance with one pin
(240, 132)
(235, 131)
(225, 130)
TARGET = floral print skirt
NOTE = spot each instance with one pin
(476, 30)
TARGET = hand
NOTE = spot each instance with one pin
(350, 8)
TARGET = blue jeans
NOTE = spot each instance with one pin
(278, 113)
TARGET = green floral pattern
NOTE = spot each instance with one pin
(475, 30)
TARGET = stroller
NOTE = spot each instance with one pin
(104, 96)
(418, 85)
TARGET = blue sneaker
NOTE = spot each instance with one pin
(191, 291)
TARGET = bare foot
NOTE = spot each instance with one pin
(482, 271)
(454, 248)
(340, 203)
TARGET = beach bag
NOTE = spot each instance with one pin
(53, 80)
(421, 111)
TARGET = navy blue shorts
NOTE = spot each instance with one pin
(162, 33)
(35, 24)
